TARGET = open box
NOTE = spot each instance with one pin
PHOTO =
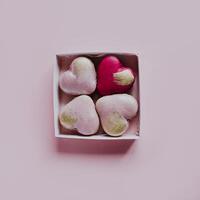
(63, 61)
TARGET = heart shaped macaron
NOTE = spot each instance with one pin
(115, 111)
(80, 78)
(113, 76)
(80, 114)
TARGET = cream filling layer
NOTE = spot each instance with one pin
(124, 77)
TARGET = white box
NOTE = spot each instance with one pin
(128, 59)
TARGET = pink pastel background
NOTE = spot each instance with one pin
(164, 164)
